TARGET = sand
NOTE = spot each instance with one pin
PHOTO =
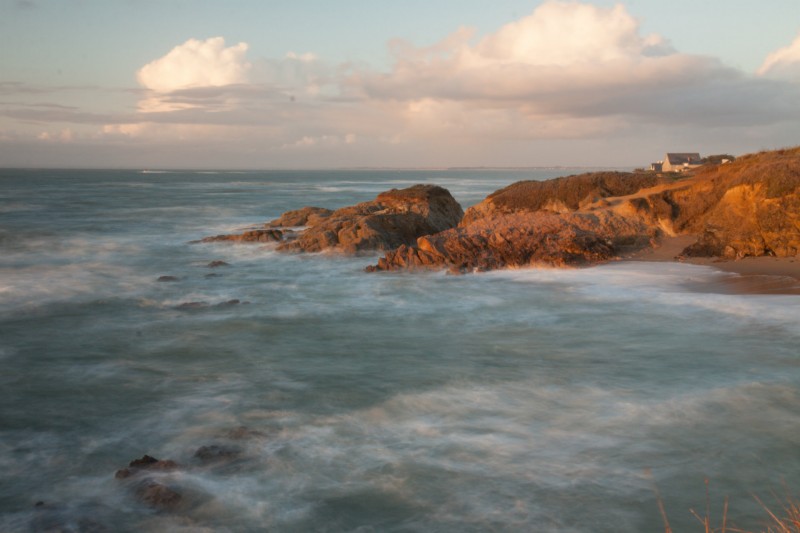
(754, 275)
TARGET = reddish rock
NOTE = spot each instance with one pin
(747, 208)
(307, 216)
(255, 235)
(394, 218)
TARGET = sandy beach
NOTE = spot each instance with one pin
(756, 275)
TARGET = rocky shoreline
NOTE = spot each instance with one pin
(749, 208)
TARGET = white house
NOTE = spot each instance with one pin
(674, 162)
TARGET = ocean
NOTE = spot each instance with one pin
(329, 399)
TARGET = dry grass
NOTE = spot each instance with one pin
(782, 517)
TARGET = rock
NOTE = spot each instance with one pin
(520, 240)
(561, 195)
(307, 216)
(747, 208)
(214, 453)
(167, 279)
(157, 495)
(146, 463)
(148, 490)
(229, 303)
(394, 218)
(255, 235)
(217, 264)
(192, 305)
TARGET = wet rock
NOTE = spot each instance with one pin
(231, 303)
(167, 279)
(188, 306)
(146, 464)
(218, 263)
(255, 235)
(214, 453)
(394, 218)
(157, 495)
(212, 275)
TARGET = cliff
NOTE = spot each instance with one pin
(747, 208)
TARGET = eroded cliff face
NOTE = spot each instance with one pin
(748, 208)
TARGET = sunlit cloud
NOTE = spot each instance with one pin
(566, 72)
(783, 63)
(196, 63)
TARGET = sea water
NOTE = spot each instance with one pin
(523, 400)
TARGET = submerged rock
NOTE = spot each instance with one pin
(215, 452)
(216, 264)
(158, 496)
(163, 279)
(148, 489)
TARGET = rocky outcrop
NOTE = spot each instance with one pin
(394, 218)
(523, 239)
(307, 216)
(747, 208)
(560, 195)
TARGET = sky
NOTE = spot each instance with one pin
(377, 83)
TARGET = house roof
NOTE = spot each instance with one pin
(681, 158)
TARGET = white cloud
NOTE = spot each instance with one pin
(783, 63)
(567, 70)
(561, 46)
(197, 63)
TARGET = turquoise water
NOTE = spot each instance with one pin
(526, 400)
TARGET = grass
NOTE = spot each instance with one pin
(784, 520)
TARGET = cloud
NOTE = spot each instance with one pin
(783, 63)
(568, 74)
(568, 70)
(561, 46)
(196, 63)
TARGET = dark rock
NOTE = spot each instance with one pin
(229, 303)
(214, 452)
(192, 305)
(217, 264)
(157, 495)
(168, 278)
(146, 463)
